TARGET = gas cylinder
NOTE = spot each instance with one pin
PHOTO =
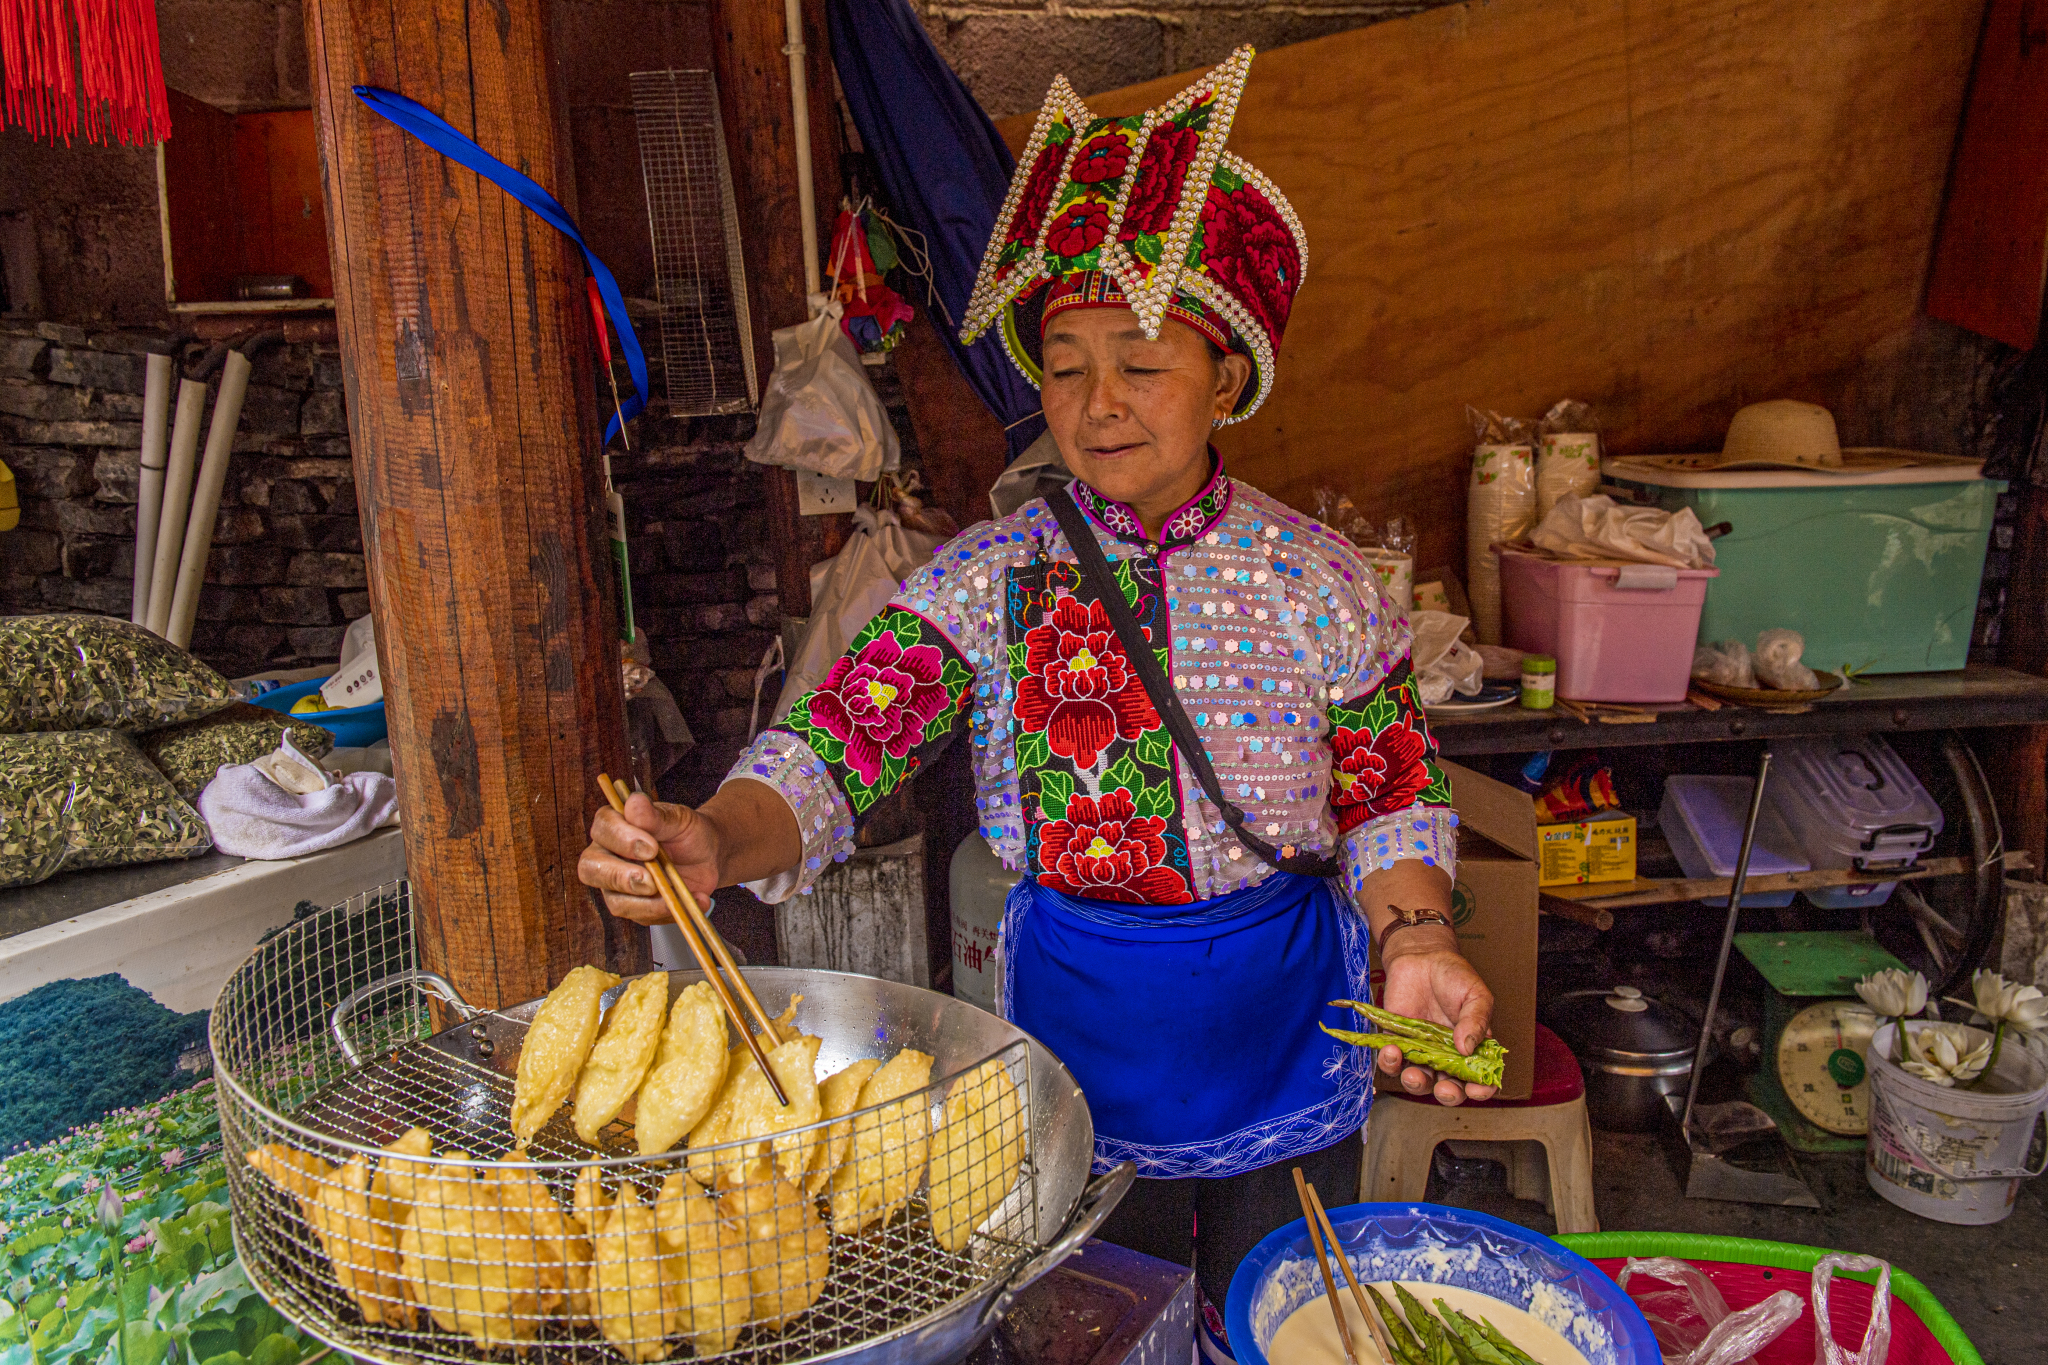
(980, 883)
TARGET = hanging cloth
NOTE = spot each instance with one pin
(430, 128)
(945, 171)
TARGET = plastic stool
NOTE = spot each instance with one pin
(1402, 1131)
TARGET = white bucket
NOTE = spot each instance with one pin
(1956, 1156)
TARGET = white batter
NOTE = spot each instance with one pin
(1309, 1336)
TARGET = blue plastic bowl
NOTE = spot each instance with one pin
(1428, 1242)
(353, 726)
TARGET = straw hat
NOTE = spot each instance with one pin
(1785, 433)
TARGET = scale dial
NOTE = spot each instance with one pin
(1821, 1064)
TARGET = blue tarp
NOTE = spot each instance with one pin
(944, 170)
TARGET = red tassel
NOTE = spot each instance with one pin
(117, 74)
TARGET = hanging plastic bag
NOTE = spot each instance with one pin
(820, 413)
(848, 590)
(1443, 663)
(1877, 1337)
(1691, 1320)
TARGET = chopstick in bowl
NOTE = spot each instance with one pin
(1315, 1237)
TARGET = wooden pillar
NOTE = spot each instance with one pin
(747, 39)
(472, 416)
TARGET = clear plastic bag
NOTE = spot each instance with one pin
(820, 412)
(1777, 661)
(1691, 1320)
(1877, 1337)
(1726, 662)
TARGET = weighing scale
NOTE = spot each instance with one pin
(1814, 1081)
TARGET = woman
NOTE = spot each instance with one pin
(1142, 276)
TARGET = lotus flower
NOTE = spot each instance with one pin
(110, 1209)
(1894, 992)
(1945, 1054)
(2007, 1002)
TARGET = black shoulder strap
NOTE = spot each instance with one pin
(1095, 569)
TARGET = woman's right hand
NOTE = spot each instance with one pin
(619, 844)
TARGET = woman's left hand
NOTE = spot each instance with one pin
(1428, 979)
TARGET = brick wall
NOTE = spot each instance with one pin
(1008, 51)
(286, 572)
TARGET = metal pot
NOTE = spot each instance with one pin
(1633, 1050)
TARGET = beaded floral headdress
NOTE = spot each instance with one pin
(1147, 212)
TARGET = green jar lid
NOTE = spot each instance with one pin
(1538, 663)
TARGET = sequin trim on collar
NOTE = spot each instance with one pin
(1189, 523)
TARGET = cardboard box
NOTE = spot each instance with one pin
(1601, 848)
(1494, 911)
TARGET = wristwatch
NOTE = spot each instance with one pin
(1408, 919)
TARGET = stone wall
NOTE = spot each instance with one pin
(1008, 51)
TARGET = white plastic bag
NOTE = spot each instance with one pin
(1777, 661)
(820, 413)
(1727, 663)
(848, 590)
(1692, 1323)
(1877, 1337)
(1443, 663)
(1598, 527)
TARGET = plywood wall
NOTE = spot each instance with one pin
(1667, 208)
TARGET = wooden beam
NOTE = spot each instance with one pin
(472, 416)
(747, 41)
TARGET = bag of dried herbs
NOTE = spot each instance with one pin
(192, 753)
(87, 799)
(80, 672)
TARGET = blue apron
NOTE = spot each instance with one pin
(1192, 1028)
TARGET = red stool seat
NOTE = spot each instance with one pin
(1558, 1079)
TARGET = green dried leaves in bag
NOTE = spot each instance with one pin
(79, 672)
(87, 799)
(192, 753)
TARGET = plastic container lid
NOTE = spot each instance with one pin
(1538, 663)
(1851, 798)
(1622, 1025)
(1714, 810)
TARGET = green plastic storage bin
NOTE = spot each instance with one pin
(1878, 574)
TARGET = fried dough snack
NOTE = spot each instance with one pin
(478, 1267)
(787, 1247)
(976, 1152)
(889, 1146)
(336, 1203)
(521, 1192)
(757, 1114)
(713, 1128)
(556, 1043)
(612, 1073)
(298, 1173)
(628, 1298)
(708, 1272)
(391, 1189)
(838, 1093)
(688, 1072)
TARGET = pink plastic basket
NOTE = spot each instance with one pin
(1619, 632)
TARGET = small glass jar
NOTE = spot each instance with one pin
(1539, 682)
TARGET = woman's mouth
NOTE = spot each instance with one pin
(1112, 452)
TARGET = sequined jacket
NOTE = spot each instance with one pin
(1271, 627)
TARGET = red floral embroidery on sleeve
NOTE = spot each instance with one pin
(1384, 759)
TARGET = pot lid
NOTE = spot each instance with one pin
(1622, 1023)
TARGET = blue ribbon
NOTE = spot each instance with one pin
(430, 128)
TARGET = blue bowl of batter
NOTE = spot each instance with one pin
(1438, 1245)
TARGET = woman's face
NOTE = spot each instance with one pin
(1132, 414)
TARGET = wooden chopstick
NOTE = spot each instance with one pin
(718, 948)
(1365, 1307)
(1315, 1237)
(705, 958)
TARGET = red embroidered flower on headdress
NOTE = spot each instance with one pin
(1038, 192)
(1161, 172)
(1248, 249)
(1078, 229)
(1106, 851)
(1104, 158)
(1078, 686)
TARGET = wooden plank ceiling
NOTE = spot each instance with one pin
(1668, 208)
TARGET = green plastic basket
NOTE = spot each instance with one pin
(1700, 1247)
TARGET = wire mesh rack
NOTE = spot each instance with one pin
(707, 334)
(378, 1202)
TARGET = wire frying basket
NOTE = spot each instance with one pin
(378, 1203)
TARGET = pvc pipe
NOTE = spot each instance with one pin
(800, 130)
(213, 473)
(149, 487)
(170, 526)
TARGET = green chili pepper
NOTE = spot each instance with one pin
(1479, 1339)
(1425, 1044)
(1438, 1344)
(1411, 1351)
(1507, 1348)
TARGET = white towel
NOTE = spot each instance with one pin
(296, 811)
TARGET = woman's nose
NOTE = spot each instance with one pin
(1105, 397)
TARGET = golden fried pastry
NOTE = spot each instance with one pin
(976, 1152)
(689, 1071)
(618, 1063)
(391, 1189)
(709, 1278)
(787, 1247)
(838, 1093)
(589, 1205)
(557, 1041)
(889, 1147)
(479, 1268)
(521, 1192)
(298, 1173)
(629, 1296)
(756, 1113)
(364, 1252)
